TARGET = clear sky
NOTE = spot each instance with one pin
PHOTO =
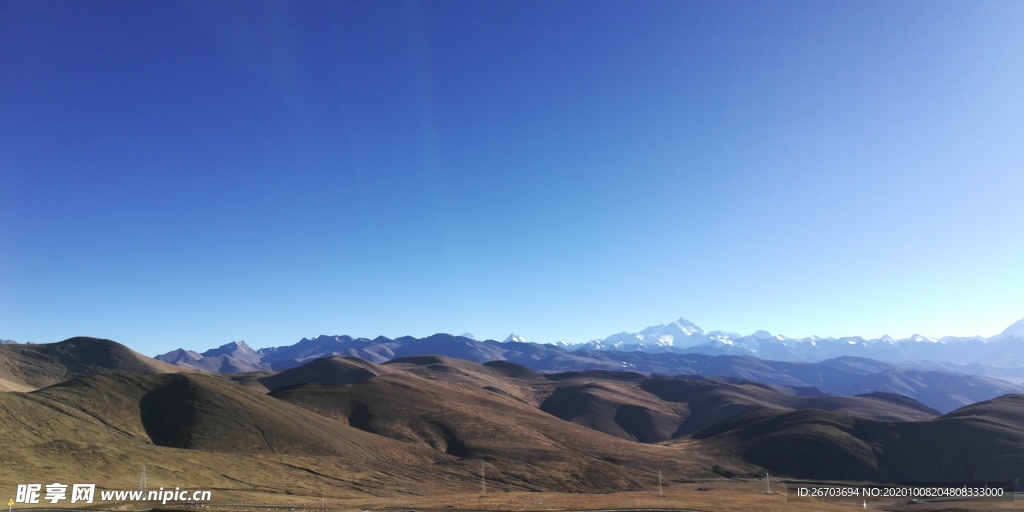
(185, 174)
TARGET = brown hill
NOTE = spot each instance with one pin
(499, 377)
(40, 365)
(710, 402)
(193, 430)
(329, 370)
(979, 443)
(6, 385)
(620, 409)
(635, 407)
(626, 405)
(209, 414)
(199, 412)
(427, 423)
(527, 448)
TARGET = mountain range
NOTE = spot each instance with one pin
(670, 350)
(419, 422)
(379, 435)
(1000, 356)
(1005, 349)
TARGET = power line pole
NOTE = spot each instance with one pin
(661, 491)
(142, 480)
(483, 478)
(768, 480)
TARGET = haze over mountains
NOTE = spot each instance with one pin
(682, 348)
(1004, 350)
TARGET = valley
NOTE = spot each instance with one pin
(428, 430)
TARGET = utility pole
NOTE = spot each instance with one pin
(142, 480)
(483, 478)
(661, 491)
(768, 480)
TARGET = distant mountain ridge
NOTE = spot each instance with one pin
(234, 357)
(942, 387)
(682, 336)
(1004, 352)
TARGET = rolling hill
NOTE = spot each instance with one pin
(198, 431)
(629, 406)
(983, 442)
(359, 428)
(37, 365)
(526, 448)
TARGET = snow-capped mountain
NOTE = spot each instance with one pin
(1014, 331)
(515, 338)
(1000, 356)
(680, 334)
(683, 336)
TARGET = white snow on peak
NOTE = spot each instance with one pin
(682, 336)
(515, 338)
(679, 334)
(687, 326)
(1015, 330)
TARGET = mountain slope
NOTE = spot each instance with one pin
(659, 408)
(329, 370)
(234, 357)
(41, 365)
(526, 448)
(980, 443)
(630, 406)
(201, 432)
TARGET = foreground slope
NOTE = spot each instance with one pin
(179, 411)
(207, 432)
(195, 431)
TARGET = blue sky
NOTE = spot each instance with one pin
(191, 173)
